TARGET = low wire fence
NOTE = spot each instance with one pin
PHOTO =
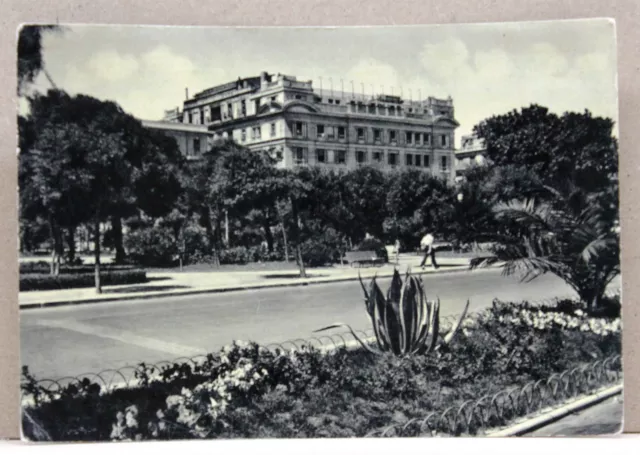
(494, 411)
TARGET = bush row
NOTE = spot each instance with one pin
(41, 282)
(44, 267)
(247, 391)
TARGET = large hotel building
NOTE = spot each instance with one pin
(300, 125)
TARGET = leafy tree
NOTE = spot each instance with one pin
(417, 202)
(83, 162)
(365, 197)
(554, 195)
(30, 61)
(574, 146)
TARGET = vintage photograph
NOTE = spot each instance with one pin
(319, 232)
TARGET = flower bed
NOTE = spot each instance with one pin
(250, 392)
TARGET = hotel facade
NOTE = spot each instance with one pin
(303, 126)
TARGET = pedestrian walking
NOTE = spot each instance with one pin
(426, 244)
(396, 250)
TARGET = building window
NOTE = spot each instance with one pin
(279, 155)
(340, 157)
(330, 101)
(341, 132)
(377, 157)
(427, 138)
(243, 135)
(202, 117)
(337, 101)
(321, 155)
(362, 108)
(392, 111)
(229, 110)
(361, 135)
(196, 145)
(256, 134)
(392, 159)
(372, 109)
(273, 99)
(243, 108)
(408, 159)
(443, 164)
(299, 129)
(320, 129)
(299, 155)
(298, 97)
(273, 130)
(190, 117)
(443, 140)
(361, 156)
(331, 132)
(377, 135)
(392, 136)
(417, 160)
(409, 137)
(427, 161)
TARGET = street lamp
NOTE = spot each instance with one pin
(460, 197)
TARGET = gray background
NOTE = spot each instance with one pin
(300, 13)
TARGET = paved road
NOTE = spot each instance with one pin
(63, 341)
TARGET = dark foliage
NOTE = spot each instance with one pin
(42, 282)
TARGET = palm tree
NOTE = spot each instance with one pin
(570, 233)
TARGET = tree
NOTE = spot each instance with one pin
(417, 202)
(83, 162)
(554, 186)
(365, 197)
(575, 146)
(30, 61)
(572, 237)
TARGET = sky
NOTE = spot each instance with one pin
(488, 69)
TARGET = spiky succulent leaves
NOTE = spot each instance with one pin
(406, 305)
(391, 319)
(362, 343)
(378, 304)
(452, 333)
(433, 330)
(424, 321)
(421, 317)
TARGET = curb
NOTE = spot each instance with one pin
(153, 295)
(555, 414)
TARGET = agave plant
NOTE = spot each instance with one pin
(405, 322)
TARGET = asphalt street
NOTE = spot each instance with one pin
(72, 340)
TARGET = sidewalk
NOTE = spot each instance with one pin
(163, 284)
(602, 419)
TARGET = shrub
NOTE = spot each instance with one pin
(41, 282)
(152, 247)
(322, 247)
(260, 254)
(43, 267)
(235, 255)
(373, 244)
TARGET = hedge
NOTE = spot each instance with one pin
(43, 267)
(42, 282)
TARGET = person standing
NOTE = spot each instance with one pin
(426, 244)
